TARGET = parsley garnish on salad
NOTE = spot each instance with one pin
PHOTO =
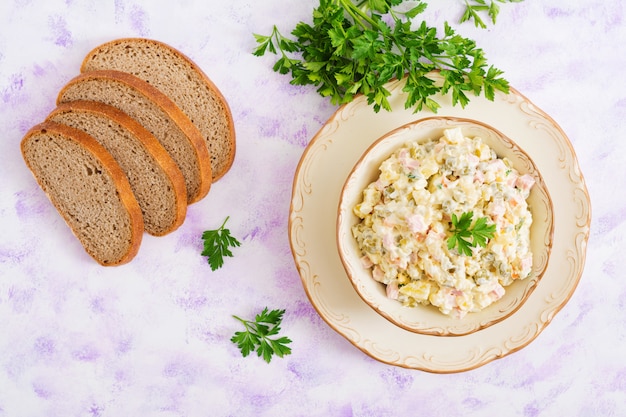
(462, 231)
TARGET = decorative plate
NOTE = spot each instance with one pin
(319, 178)
(427, 319)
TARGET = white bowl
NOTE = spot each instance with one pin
(428, 319)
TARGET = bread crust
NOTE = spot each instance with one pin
(170, 108)
(151, 144)
(228, 162)
(120, 180)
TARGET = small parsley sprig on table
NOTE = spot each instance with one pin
(258, 335)
(216, 245)
(462, 230)
(356, 48)
(474, 8)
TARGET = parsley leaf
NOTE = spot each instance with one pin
(474, 8)
(462, 231)
(356, 48)
(216, 245)
(257, 336)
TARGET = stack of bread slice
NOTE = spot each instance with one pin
(135, 138)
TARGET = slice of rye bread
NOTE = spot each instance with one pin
(157, 183)
(154, 111)
(88, 188)
(180, 79)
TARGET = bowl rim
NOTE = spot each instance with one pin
(549, 235)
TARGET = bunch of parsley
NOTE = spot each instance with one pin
(356, 48)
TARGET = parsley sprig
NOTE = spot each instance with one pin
(258, 335)
(462, 230)
(474, 9)
(216, 245)
(356, 48)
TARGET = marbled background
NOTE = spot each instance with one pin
(151, 338)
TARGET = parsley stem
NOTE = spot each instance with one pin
(278, 37)
(394, 16)
(358, 15)
(225, 220)
(244, 322)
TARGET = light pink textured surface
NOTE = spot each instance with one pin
(151, 338)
